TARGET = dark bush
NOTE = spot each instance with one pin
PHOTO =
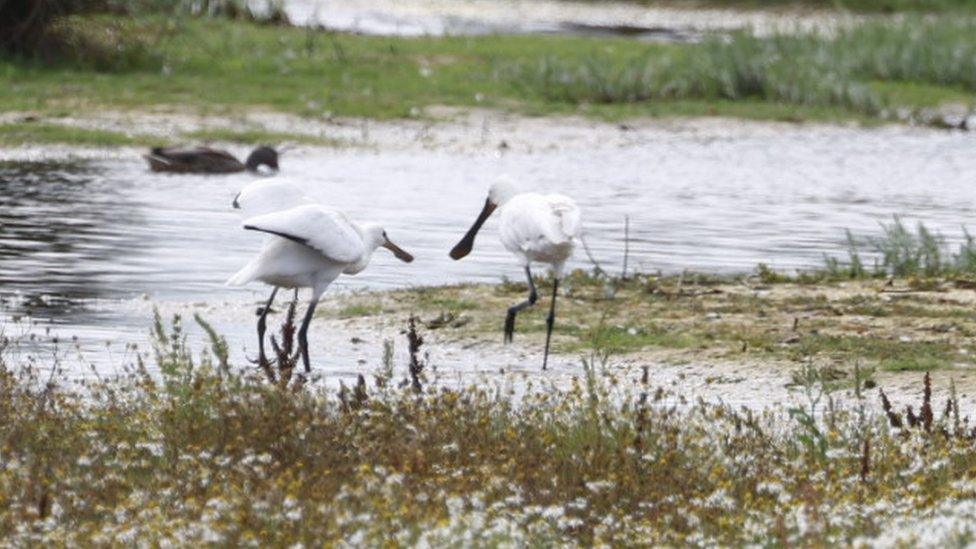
(41, 30)
(24, 22)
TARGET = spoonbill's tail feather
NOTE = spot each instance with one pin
(243, 276)
(569, 216)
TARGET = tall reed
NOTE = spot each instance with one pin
(810, 68)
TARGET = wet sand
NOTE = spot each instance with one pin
(343, 349)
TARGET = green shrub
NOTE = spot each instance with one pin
(800, 68)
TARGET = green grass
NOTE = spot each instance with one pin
(203, 452)
(902, 251)
(360, 310)
(20, 133)
(889, 354)
(251, 136)
(32, 132)
(861, 6)
(914, 364)
(769, 317)
(445, 303)
(619, 339)
(870, 70)
(222, 67)
(920, 94)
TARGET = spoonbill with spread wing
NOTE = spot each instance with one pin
(307, 246)
(534, 227)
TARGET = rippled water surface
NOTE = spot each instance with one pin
(478, 17)
(76, 238)
(481, 17)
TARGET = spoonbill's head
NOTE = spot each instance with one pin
(376, 237)
(501, 191)
(262, 156)
(498, 194)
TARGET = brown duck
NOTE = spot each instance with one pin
(208, 160)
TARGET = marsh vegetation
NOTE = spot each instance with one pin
(860, 6)
(208, 452)
(895, 71)
(859, 70)
(188, 447)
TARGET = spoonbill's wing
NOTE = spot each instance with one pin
(539, 224)
(537, 219)
(315, 226)
(568, 215)
(269, 195)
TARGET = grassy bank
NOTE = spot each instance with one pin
(205, 453)
(871, 71)
(46, 131)
(767, 319)
(857, 6)
(875, 72)
(902, 301)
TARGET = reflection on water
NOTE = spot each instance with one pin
(64, 232)
(76, 238)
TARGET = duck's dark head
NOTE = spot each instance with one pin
(262, 156)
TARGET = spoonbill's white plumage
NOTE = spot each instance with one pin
(535, 228)
(269, 195)
(308, 246)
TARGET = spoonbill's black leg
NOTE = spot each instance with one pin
(303, 334)
(262, 326)
(550, 320)
(516, 309)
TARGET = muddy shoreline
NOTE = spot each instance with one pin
(354, 345)
(347, 340)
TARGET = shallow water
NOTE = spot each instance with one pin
(420, 18)
(479, 17)
(81, 242)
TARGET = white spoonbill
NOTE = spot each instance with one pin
(534, 227)
(268, 195)
(309, 246)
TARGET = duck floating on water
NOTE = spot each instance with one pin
(209, 160)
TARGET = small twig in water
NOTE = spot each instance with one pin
(623, 272)
(597, 269)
